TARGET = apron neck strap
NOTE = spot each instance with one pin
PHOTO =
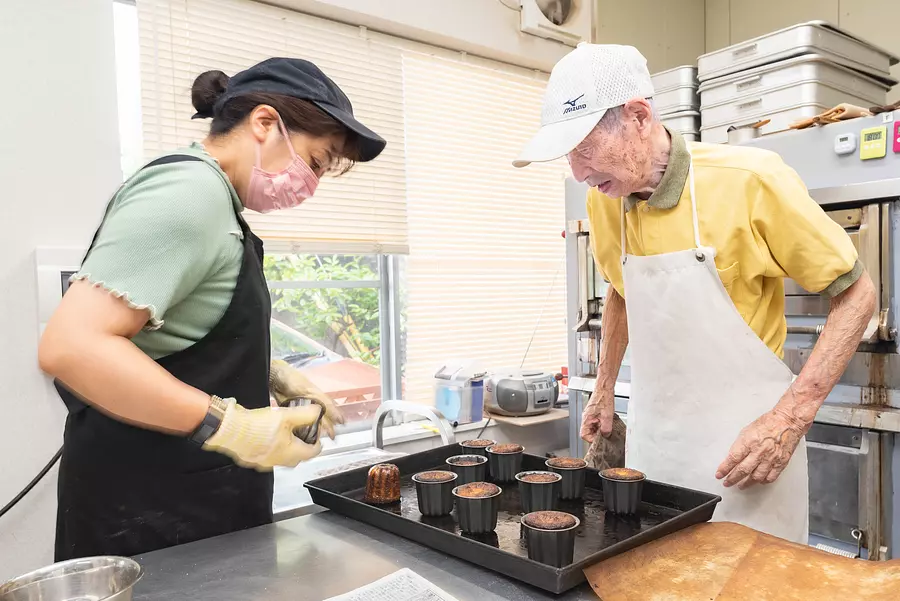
(694, 218)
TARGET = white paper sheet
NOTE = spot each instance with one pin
(402, 585)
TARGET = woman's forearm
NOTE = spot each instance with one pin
(613, 342)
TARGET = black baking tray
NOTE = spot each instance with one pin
(664, 509)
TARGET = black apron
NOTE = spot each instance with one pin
(125, 490)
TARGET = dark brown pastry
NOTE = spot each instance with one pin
(539, 477)
(478, 490)
(506, 448)
(478, 443)
(567, 463)
(625, 474)
(434, 476)
(383, 484)
(550, 520)
(465, 462)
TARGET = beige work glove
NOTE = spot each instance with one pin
(263, 438)
(287, 384)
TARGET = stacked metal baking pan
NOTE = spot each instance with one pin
(789, 75)
(676, 100)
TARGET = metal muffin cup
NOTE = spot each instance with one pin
(469, 473)
(538, 496)
(477, 515)
(571, 487)
(552, 547)
(503, 467)
(622, 496)
(435, 498)
(467, 450)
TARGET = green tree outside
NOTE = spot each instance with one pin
(346, 320)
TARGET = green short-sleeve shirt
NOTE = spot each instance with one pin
(170, 243)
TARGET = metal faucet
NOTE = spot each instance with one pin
(433, 415)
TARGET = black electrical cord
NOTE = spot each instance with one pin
(486, 424)
(31, 484)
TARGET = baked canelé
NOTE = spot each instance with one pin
(434, 476)
(478, 490)
(625, 474)
(567, 463)
(479, 443)
(550, 520)
(539, 477)
(464, 462)
(383, 484)
(506, 448)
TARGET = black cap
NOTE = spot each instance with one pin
(303, 80)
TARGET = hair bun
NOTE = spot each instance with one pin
(207, 89)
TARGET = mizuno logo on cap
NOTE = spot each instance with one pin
(573, 105)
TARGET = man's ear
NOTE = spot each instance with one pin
(639, 111)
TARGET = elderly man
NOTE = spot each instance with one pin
(696, 240)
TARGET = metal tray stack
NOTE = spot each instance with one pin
(789, 75)
(676, 100)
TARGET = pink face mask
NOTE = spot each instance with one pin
(282, 190)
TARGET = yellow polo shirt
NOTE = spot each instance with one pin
(753, 209)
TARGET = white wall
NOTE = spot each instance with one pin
(669, 34)
(59, 161)
(873, 20)
(485, 28)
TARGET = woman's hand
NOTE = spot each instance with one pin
(287, 384)
(263, 438)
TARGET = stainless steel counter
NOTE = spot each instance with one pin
(312, 558)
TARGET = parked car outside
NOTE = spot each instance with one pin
(354, 385)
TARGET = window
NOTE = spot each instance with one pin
(486, 274)
(128, 86)
(438, 250)
(330, 319)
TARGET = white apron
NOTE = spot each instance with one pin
(700, 375)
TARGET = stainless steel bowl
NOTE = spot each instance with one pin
(88, 579)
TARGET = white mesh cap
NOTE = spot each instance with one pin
(583, 85)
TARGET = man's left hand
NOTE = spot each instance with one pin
(764, 448)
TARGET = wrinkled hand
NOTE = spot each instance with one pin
(597, 416)
(763, 448)
(263, 438)
(287, 384)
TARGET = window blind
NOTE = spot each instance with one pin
(486, 260)
(361, 212)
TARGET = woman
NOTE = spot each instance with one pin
(169, 315)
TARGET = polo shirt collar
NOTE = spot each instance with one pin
(671, 185)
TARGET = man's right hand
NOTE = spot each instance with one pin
(263, 438)
(598, 415)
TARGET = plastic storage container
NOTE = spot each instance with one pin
(459, 392)
(814, 37)
(675, 90)
(809, 68)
